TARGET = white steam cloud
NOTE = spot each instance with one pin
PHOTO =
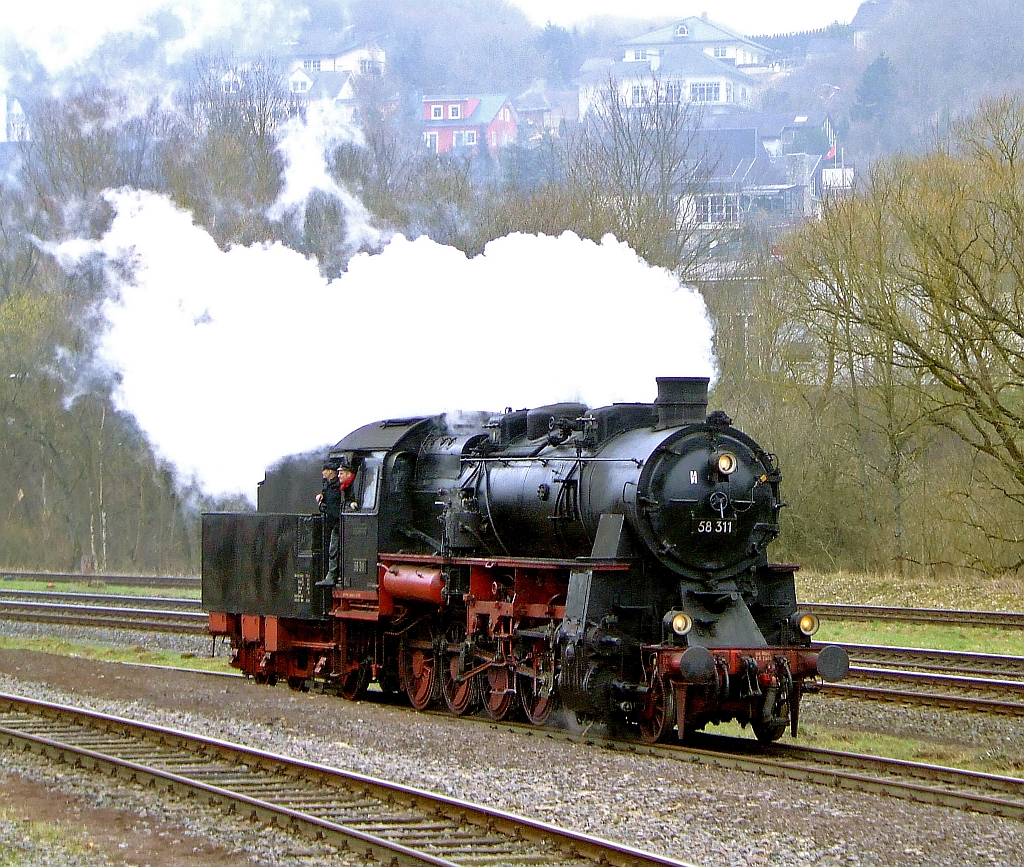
(229, 360)
(63, 33)
(304, 141)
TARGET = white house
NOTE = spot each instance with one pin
(325, 66)
(715, 40)
(693, 60)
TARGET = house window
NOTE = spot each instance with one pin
(436, 112)
(721, 51)
(430, 140)
(639, 53)
(682, 30)
(494, 139)
(232, 84)
(506, 115)
(705, 91)
(371, 67)
(729, 95)
(637, 95)
(300, 86)
(717, 209)
(454, 112)
(471, 137)
(672, 93)
(311, 65)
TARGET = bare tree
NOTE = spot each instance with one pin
(635, 164)
(921, 279)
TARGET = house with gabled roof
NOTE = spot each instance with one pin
(325, 66)
(336, 89)
(682, 74)
(456, 122)
(336, 51)
(715, 40)
(694, 60)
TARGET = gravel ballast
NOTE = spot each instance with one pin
(695, 813)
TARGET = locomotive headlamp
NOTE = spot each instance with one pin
(726, 463)
(682, 623)
(807, 623)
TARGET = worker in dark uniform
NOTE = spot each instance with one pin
(338, 476)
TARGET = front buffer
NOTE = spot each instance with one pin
(693, 686)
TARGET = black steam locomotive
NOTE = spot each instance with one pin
(610, 561)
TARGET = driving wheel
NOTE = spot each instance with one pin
(657, 718)
(498, 693)
(419, 671)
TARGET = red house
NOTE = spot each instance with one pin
(454, 122)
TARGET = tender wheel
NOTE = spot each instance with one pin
(299, 684)
(418, 672)
(354, 682)
(657, 719)
(462, 697)
(767, 734)
(497, 693)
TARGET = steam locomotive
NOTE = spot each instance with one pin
(610, 561)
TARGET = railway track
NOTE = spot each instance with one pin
(980, 682)
(168, 618)
(182, 582)
(930, 784)
(893, 674)
(389, 823)
(936, 616)
(828, 611)
(938, 661)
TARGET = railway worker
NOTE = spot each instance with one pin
(338, 476)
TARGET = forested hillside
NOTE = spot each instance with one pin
(876, 350)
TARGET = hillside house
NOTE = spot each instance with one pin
(714, 40)
(693, 61)
(455, 122)
(325, 66)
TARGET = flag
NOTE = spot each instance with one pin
(831, 153)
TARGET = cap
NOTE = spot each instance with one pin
(332, 464)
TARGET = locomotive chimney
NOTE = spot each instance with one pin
(682, 400)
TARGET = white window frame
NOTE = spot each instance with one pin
(437, 112)
(454, 112)
(470, 137)
(682, 30)
(705, 91)
(430, 140)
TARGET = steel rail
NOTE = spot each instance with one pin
(830, 611)
(186, 582)
(924, 699)
(933, 660)
(936, 679)
(146, 620)
(913, 781)
(104, 599)
(391, 823)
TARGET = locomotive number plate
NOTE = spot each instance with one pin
(714, 528)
